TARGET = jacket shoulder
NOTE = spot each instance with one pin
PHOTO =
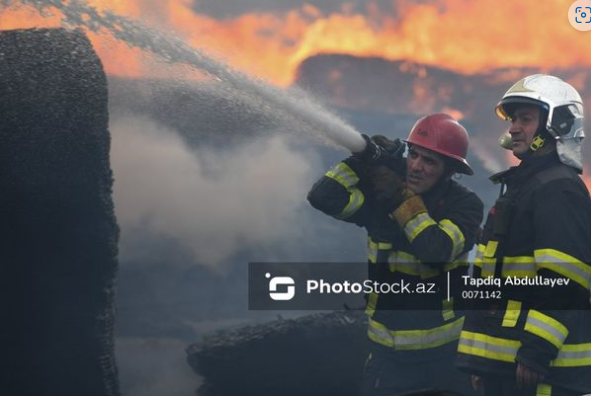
(458, 192)
(561, 175)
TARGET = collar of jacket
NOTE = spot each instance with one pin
(526, 169)
(436, 193)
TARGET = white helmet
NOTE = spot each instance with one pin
(563, 105)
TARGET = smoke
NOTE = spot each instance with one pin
(210, 203)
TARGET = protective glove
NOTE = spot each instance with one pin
(388, 189)
(393, 158)
(395, 149)
(372, 153)
(393, 196)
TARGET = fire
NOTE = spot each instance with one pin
(461, 35)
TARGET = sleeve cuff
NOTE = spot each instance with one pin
(408, 209)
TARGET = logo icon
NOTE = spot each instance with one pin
(579, 15)
(281, 281)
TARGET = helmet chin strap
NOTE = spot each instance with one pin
(537, 143)
(539, 139)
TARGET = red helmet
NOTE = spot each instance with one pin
(444, 135)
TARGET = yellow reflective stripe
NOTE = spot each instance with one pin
(374, 247)
(424, 339)
(455, 234)
(544, 390)
(379, 245)
(488, 347)
(477, 344)
(485, 258)
(372, 302)
(460, 261)
(404, 262)
(400, 261)
(546, 327)
(447, 310)
(520, 266)
(415, 339)
(417, 224)
(356, 199)
(565, 265)
(491, 248)
(479, 255)
(573, 355)
(379, 333)
(512, 313)
(343, 175)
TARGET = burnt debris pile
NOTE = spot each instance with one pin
(316, 355)
(58, 234)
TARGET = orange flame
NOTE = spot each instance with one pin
(465, 36)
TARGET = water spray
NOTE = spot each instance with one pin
(294, 104)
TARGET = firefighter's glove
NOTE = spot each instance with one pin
(373, 153)
(388, 189)
(394, 197)
(395, 151)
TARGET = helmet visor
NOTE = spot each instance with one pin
(507, 106)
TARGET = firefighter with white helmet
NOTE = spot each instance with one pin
(535, 340)
(561, 116)
(421, 224)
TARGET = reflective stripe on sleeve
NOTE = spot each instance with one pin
(573, 355)
(455, 234)
(460, 261)
(494, 348)
(343, 175)
(488, 347)
(406, 263)
(564, 265)
(417, 224)
(356, 199)
(415, 339)
(400, 261)
(421, 221)
(546, 327)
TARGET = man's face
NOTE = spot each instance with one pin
(524, 124)
(424, 168)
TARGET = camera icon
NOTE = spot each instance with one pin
(583, 15)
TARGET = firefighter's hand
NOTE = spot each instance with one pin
(372, 152)
(389, 190)
(395, 148)
(476, 383)
(526, 377)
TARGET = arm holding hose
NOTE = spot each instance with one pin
(343, 191)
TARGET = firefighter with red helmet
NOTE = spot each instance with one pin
(421, 225)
